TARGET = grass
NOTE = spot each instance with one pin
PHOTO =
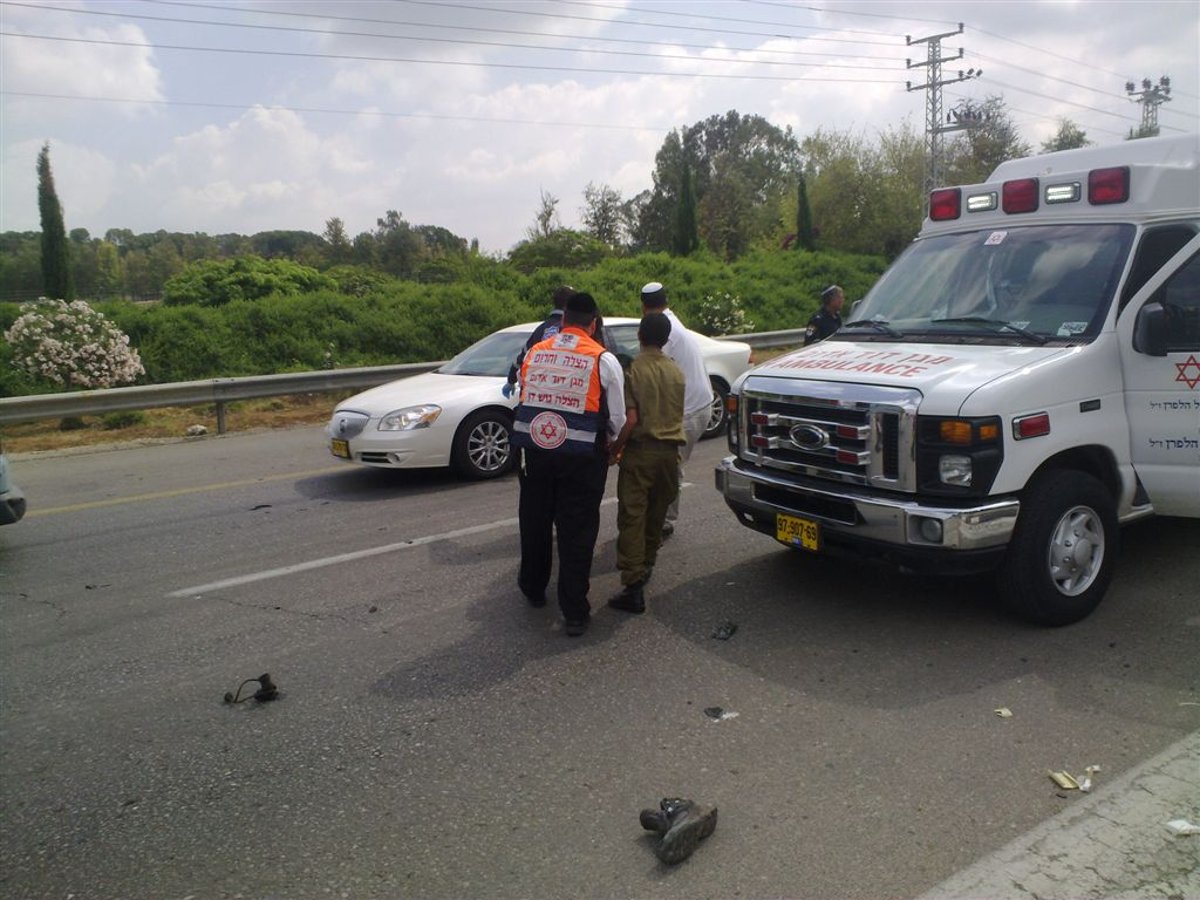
(168, 422)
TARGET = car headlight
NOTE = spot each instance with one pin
(955, 469)
(410, 417)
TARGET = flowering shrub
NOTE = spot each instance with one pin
(723, 314)
(71, 345)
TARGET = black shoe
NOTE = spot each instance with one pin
(535, 598)
(630, 600)
(668, 529)
(690, 824)
(576, 627)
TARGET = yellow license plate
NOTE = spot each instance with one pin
(797, 532)
(340, 448)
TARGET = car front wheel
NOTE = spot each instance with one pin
(483, 445)
(717, 414)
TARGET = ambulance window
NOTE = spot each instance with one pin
(1180, 297)
(1157, 246)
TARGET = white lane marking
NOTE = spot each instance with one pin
(348, 557)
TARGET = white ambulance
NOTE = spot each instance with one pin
(1022, 380)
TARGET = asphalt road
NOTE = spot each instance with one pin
(438, 738)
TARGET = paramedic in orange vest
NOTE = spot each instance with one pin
(572, 407)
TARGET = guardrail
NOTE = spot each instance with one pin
(220, 391)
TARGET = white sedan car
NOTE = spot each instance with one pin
(457, 416)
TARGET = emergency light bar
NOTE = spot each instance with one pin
(1023, 195)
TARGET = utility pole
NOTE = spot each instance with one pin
(934, 126)
(1151, 96)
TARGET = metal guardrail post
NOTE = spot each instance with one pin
(220, 417)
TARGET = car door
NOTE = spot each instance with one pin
(1162, 392)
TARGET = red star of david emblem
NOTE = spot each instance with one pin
(548, 429)
(1189, 372)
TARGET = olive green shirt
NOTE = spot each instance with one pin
(654, 387)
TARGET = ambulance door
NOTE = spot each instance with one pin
(1159, 330)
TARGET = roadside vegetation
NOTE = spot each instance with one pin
(744, 222)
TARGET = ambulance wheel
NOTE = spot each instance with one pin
(1061, 558)
(483, 445)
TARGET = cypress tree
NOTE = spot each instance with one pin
(804, 228)
(56, 253)
(685, 222)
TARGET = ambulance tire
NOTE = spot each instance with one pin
(482, 445)
(1061, 558)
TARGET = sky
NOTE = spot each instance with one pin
(255, 115)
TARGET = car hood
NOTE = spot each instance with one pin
(430, 387)
(945, 374)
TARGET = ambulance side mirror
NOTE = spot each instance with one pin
(1150, 330)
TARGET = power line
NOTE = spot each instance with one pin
(429, 39)
(492, 30)
(434, 62)
(243, 107)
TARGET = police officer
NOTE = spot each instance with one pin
(551, 326)
(826, 320)
(572, 407)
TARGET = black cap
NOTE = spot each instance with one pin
(582, 302)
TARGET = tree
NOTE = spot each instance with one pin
(564, 248)
(339, 249)
(865, 198)
(1068, 137)
(745, 163)
(601, 213)
(991, 139)
(804, 224)
(685, 239)
(546, 219)
(217, 282)
(56, 255)
(399, 247)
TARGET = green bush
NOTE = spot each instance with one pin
(217, 282)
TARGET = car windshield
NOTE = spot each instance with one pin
(491, 356)
(1045, 283)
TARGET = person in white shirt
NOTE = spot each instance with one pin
(682, 347)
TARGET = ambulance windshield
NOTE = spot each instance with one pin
(1046, 283)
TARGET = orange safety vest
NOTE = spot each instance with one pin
(561, 395)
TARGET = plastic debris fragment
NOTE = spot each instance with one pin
(718, 715)
(1003, 712)
(1064, 780)
(1183, 826)
(1086, 784)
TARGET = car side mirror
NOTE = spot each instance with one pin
(1150, 330)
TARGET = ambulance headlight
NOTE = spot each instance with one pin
(955, 468)
(410, 417)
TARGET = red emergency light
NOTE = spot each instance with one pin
(1108, 185)
(1020, 196)
(945, 204)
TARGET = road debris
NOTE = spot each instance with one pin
(682, 823)
(725, 631)
(1003, 712)
(267, 690)
(717, 714)
(1183, 826)
(1086, 784)
(1064, 780)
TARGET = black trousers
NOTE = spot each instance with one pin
(560, 492)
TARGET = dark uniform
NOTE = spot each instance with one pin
(548, 328)
(821, 325)
(561, 429)
(649, 478)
